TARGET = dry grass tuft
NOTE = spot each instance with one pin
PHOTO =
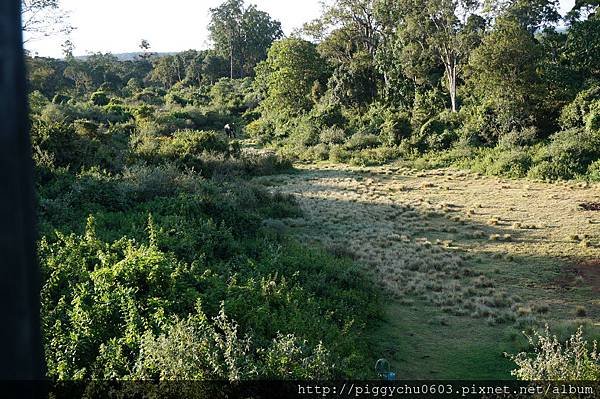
(580, 311)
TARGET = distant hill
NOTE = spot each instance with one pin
(130, 56)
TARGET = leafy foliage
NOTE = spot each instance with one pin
(576, 360)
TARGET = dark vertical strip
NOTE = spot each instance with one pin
(20, 338)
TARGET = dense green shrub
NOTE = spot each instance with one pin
(427, 105)
(175, 99)
(143, 111)
(194, 142)
(594, 170)
(338, 154)
(519, 138)
(361, 141)
(327, 114)
(587, 102)
(568, 155)
(437, 134)
(99, 98)
(118, 112)
(498, 161)
(374, 156)
(60, 99)
(186, 148)
(261, 129)
(111, 310)
(319, 152)
(305, 133)
(151, 96)
(232, 94)
(395, 128)
(332, 135)
(480, 126)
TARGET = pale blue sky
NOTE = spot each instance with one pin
(117, 26)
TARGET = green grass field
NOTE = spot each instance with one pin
(466, 262)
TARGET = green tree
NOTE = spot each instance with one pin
(242, 34)
(502, 73)
(46, 76)
(583, 9)
(349, 36)
(438, 31)
(533, 15)
(168, 70)
(145, 47)
(214, 67)
(582, 48)
(288, 76)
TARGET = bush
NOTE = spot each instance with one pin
(592, 119)
(58, 144)
(261, 129)
(201, 349)
(60, 99)
(190, 142)
(594, 170)
(151, 96)
(361, 141)
(320, 152)
(327, 114)
(332, 135)
(305, 134)
(338, 154)
(130, 310)
(175, 99)
(99, 98)
(196, 349)
(513, 164)
(374, 156)
(143, 111)
(186, 148)
(576, 360)
(395, 128)
(426, 106)
(568, 155)
(118, 112)
(478, 127)
(439, 133)
(519, 138)
(574, 114)
(85, 127)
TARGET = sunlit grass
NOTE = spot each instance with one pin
(469, 246)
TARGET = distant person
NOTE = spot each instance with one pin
(230, 131)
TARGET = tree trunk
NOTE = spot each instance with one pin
(451, 72)
(453, 89)
(231, 60)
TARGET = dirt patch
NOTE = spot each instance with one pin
(582, 274)
(590, 206)
(590, 272)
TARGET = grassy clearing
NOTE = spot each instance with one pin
(478, 258)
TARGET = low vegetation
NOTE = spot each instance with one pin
(457, 252)
(162, 260)
(576, 360)
(446, 156)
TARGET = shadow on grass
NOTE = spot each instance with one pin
(457, 292)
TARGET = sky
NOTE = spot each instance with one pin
(118, 26)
